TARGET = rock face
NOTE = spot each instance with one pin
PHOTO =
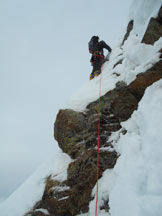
(129, 29)
(154, 30)
(67, 125)
(77, 135)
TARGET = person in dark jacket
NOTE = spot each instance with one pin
(96, 48)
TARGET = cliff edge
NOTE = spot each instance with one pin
(77, 132)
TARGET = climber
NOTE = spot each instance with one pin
(96, 49)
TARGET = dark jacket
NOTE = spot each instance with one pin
(102, 45)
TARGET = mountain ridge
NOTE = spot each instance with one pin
(76, 133)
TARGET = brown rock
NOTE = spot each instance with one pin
(82, 175)
(129, 29)
(77, 135)
(128, 97)
(124, 105)
(160, 14)
(68, 123)
(144, 80)
(154, 29)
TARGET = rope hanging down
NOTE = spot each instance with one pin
(98, 145)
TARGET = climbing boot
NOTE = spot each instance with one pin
(91, 76)
(96, 73)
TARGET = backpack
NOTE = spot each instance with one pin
(93, 44)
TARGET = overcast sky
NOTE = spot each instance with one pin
(44, 59)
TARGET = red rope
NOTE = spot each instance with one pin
(98, 145)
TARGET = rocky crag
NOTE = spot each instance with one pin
(76, 133)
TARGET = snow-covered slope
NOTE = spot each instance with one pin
(136, 57)
(31, 191)
(137, 188)
(134, 186)
(140, 12)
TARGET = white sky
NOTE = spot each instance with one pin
(43, 59)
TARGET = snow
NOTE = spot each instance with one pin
(137, 187)
(64, 198)
(134, 186)
(140, 12)
(43, 211)
(136, 58)
(104, 187)
(23, 199)
(59, 188)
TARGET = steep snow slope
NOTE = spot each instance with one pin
(137, 188)
(135, 56)
(31, 191)
(140, 12)
(138, 156)
(134, 186)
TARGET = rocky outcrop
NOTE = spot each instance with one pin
(154, 30)
(129, 29)
(77, 135)
(129, 96)
(69, 129)
(79, 141)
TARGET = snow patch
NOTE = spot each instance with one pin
(136, 58)
(141, 12)
(45, 211)
(134, 186)
(23, 199)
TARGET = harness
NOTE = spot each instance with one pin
(96, 55)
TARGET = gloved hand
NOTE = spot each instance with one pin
(107, 57)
